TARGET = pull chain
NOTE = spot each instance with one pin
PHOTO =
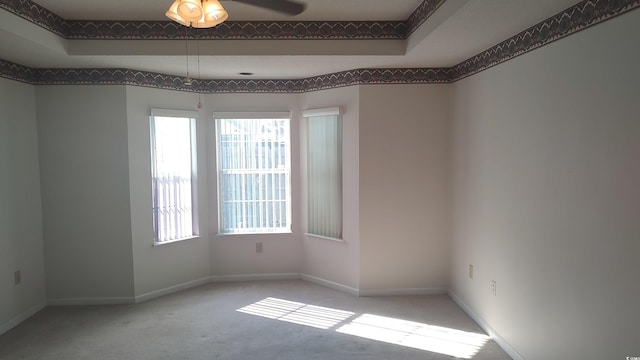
(199, 106)
(187, 80)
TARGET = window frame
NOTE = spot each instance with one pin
(192, 116)
(217, 116)
(324, 112)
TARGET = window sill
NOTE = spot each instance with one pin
(254, 233)
(175, 241)
(325, 238)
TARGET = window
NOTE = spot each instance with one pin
(173, 164)
(253, 160)
(324, 172)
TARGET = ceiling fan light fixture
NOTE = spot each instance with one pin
(197, 13)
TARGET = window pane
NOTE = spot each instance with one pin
(171, 178)
(253, 175)
(324, 174)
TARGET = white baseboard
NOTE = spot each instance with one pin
(330, 284)
(255, 277)
(16, 320)
(403, 292)
(515, 355)
(92, 301)
(175, 288)
(172, 289)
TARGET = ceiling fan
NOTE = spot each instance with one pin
(209, 13)
(289, 7)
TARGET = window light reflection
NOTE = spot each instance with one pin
(297, 313)
(457, 343)
(438, 339)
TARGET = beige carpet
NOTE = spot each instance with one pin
(284, 320)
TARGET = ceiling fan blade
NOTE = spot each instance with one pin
(288, 7)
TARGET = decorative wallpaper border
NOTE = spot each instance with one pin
(421, 14)
(230, 30)
(578, 17)
(37, 14)
(16, 72)
(172, 82)
(235, 30)
(581, 16)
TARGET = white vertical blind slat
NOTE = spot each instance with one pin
(172, 178)
(324, 165)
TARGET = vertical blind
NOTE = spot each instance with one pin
(172, 178)
(253, 175)
(324, 174)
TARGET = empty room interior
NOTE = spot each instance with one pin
(326, 172)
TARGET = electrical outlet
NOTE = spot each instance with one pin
(258, 247)
(17, 277)
(493, 287)
(470, 271)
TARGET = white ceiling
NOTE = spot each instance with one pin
(317, 10)
(457, 31)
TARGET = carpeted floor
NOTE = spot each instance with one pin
(284, 320)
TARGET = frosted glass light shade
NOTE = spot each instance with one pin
(172, 13)
(214, 12)
(210, 13)
(190, 10)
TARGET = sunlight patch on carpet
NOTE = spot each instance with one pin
(438, 339)
(443, 340)
(297, 313)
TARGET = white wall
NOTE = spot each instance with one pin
(233, 255)
(404, 188)
(337, 262)
(84, 169)
(544, 150)
(21, 246)
(160, 268)
(547, 199)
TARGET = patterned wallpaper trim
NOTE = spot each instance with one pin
(37, 14)
(578, 17)
(229, 30)
(37, 76)
(581, 16)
